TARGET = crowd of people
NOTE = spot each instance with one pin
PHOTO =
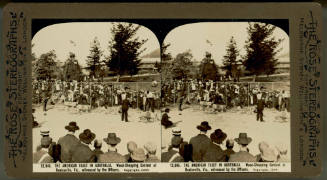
(73, 149)
(86, 96)
(223, 94)
(204, 148)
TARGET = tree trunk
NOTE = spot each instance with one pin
(254, 78)
(118, 78)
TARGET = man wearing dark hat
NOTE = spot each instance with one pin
(214, 152)
(165, 119)
(229, 149)
(112, 156)
(173, 154)
(42, 155)
(243, 155)
(82, 152)
(201, 142)
(97, 149)
(68, 142)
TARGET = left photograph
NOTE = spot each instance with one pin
(96, 93)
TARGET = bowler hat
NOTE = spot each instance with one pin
(243, 139)
(204, 126)
(112, 139)
(72, 126)
(87, 136)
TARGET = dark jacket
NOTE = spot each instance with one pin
(68, 144)
(125, 104)
(214, 154)
(260, 105)
(97, 153)
(227, 154)
(200, 145)
(242, 156)
(165, 120)
(111, 157)
(83, 154)
(166, 156)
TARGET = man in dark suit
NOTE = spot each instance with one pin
(112, 156)
(124, 109)
(229, 149)
(214, 152)
(97, 149)
(173, 154)
(260, 107)
(243, 155)
(82, 152)
(165, 119)
(68, 142)
(201, 142)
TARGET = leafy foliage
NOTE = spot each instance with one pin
(182, 65)
(94, 62)
(125, 49)
(229, 60)
(46, 66)
(261, 49)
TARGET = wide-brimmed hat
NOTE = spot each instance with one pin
(262, 146)
(204, 126)
(176, 141)
(87, 136)
(218, 136)
(243, 139)
(46, 141)
(72, 126)
(112, 139)
(150, 147)
(138, 155)
(268, 154)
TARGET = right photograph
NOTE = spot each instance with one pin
(225, 93)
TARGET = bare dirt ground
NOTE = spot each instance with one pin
(100, 121)
(275, 130)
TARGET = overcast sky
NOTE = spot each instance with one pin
(194, 37)
(77, 37)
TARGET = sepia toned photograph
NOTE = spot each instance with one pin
(226, 93)
(96, 93)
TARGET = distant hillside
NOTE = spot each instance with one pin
(154, 54)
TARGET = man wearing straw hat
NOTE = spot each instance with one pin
(138, 155)
(201, 142)
(112, 155)
(243, 155)
(42, 155)
(68, 142)
(82, 152)
(151, 148)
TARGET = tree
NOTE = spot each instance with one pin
(230, 59)
(261, 49)
(71, 69)
(166, 64)
(125, 49)
(93, 61)
(45, 66)
(182, 65)
(208, 68)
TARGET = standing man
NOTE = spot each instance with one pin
(201, 142)
(68, 142)
(124, 108)
(260, 107)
